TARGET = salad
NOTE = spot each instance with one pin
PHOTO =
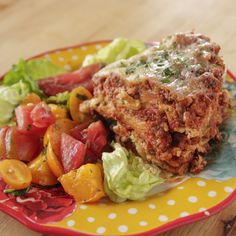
(47, 140)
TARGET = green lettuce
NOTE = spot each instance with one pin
(10, 97)
(20, 81)
(127, 176)
(119, 48)
(29, 72)
(60, 98)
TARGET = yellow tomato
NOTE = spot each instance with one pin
(54, 132)
(41, 173)
(31, 98)
(15, 173)
(77, 96)
(60, 112)
(84, 184)
(53, 162)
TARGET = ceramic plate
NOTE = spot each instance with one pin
(52, 211)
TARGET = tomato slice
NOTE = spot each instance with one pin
(42, 116)
(53, 162)
(54, 132)
(69, 81)
(59, 112)
(72, 152)
(34, 118)
(84, 184)
(21, 146)
(97, 139)
(15, 173)
(3, 152)
(41, 173)
(23, 117)
(77, 96)
(76, 132)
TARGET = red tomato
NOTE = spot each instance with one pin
(72, 152)
(76, 132)
(42, 116)
(3, 132)
(22, 146)
(54, 132)
(23, 117)
(69, 81)
(33, 118)
(96, 140)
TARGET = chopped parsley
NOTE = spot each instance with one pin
(81, 97)
(16, 193)
(165, 81)
(168, 72)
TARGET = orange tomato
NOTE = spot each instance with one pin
(54, 132)
(41, 173)
(53, 162)
(31, 98)
(77, 96)
(15, 173)
(84, 184)
(59, 112)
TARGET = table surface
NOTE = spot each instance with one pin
(28, 27)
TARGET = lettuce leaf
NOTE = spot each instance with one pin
(30, 71)
(119, 48)
(20, 81)
(127, 176)
(10, 96)
(60, 98)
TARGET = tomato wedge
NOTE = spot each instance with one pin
(84, 184)
(96, 140)
(53, 162)
(59, 112)
(53, 134)
(76, 132)
(3, 152)
(69, 81)
(22, 146)
(34, 118)
(42, 116)
(41, 173)
(15, 173)
(72, 152)
(77, 96)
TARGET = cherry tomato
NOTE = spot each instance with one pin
(54, 132)
(96, 140)
(77, 96)
(53, 162)
(59, 112)
(22, 146)
(3, 152)
(41, 173)
(72, 152)
(69, 81)
(33, 118)
(15, 173)
(42, 116)
(76, 132)
(84, 184)
(31, 98)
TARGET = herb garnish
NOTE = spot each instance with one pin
(168, 72)
(81, 97)
(17, 193)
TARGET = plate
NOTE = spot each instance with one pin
(52, 211)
